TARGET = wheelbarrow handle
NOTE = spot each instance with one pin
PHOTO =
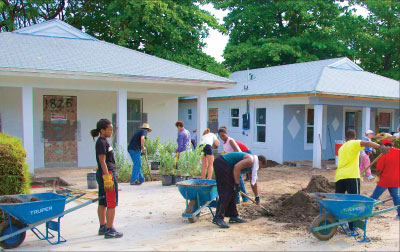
(74, 198)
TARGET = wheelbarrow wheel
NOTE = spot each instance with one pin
(324, 234)
(192, 207)
(13, 241)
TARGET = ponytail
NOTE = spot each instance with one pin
(102, 124)
(206, 131)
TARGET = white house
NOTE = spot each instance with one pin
(56, 82)
(295, 109)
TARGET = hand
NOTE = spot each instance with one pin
(144, 151)
(257, 200)
(383, 149)
(108, 182)
(374, 151)
(237, 188)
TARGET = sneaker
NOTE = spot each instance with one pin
(135, 182)
(112, 233)
(220, 222)
(102, 229)
(370, 177)
(236, 219)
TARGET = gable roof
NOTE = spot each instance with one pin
(57, 46)
(339, 76)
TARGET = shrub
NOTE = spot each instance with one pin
(167, 161)
(14, 172)
(189, 162)
(123, 165)
(373, 156)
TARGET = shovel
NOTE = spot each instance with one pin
(148, 166)
(267, 212)
(371, 164)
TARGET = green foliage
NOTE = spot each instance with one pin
(152, 147)
(170, 146)
(373, 156)
(14, 172)
(167, 160)
(170, 29)
(189, 162)
(123, 165)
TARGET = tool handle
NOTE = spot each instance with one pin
(148, 166)
(371, 164)
(266, 210)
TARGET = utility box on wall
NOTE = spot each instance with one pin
(246, 121)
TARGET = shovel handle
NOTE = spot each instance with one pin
(371, 164)
(255, 203)
(148, 166)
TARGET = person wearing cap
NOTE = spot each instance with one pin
(388, 167)
(135, 149)
(364, 154)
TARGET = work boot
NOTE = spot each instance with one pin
(102, 229)
(220, 222)
(236, 219)
(112, 233)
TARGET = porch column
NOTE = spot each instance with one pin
(122, 120)
(27, 126)
(366, 119)
(317, 149)
(201, 114)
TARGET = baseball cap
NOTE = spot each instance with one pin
(369, 132)
(386, 141)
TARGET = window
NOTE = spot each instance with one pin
(260, 124)
(310, 126)
(189, 114)
(350, 121)
(384, 122)
(235, 118)
(134, 117)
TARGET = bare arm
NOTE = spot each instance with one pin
(369, 144)
(102, 160)
(216, 142)
(142, 141)
(234, 145)
(247, 162)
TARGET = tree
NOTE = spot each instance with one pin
(274, 32)
(170, 29)
(378, 42)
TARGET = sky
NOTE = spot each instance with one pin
(216, 41)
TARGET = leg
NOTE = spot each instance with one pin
(377, 192)
(203, 166)
(137, 163)
(340, 186)
(394, 192)
(110, 214)
(101, 212)
(210, 161)
(141, 177)
(225, 184)
(363, 163)
(353, 187)
(243, 188)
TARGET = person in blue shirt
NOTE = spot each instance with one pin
(135, 149)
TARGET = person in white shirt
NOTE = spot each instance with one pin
(207, 141)
(398, 133)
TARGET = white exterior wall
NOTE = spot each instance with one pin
(273, 147)
(162, 112)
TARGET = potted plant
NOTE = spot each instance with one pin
(152, 146)
(194, 166)
(167, 165)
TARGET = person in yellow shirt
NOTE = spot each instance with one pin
(347, 175)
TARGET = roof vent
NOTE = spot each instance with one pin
(245, 87)
(252, 76)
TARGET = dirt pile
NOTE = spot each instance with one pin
(319, 183)
(298, 210)
(12, 200)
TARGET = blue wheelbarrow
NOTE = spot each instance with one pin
(339, 209)
(198, 193)
(20, 217)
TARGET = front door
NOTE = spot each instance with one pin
(212, 120)
(59, 131)
(351, 122)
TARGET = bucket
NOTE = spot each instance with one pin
(91, 180)
(166, 180)
(154, 165)
(179, 179)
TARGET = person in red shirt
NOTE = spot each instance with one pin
(389, 174)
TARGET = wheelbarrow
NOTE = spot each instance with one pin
(198, 193)
(20, 217)
(339, 209)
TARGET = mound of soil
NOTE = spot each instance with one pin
(13, 200)
(297, 210)
(319, 183)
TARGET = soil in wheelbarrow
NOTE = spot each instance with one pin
(12, 200)
(297, 210)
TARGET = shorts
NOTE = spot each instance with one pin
(111, 196)
(207, 150)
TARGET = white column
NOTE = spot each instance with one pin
(317, 149)
(366, 119)
(122, 120)
(201, 114)
(27, 126)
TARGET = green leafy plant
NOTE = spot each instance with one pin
(171, 146)
(189, 162)
(167, 161)
(378, 140)
(123, 165)
(144, 168)
(14, 172)
(152, 146)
